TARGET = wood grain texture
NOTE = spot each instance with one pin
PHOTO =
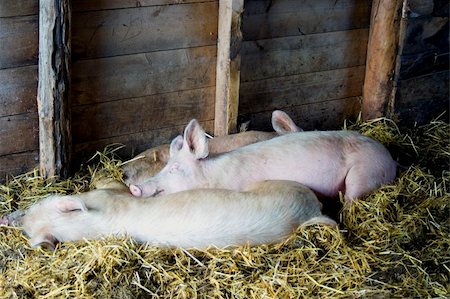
(19, 133)
(18, 41)
(423, 98)
(228, 67)
(53, 88)
(302, 54)
(326, 115)
(18, 88)
(105, 120)
(274, 93)
(13, 8)
(131, 76)
(135, 142)
(15, 164)
(426, 34)
(89, 5)
(381, 57)
(269, 19)
(144, 29)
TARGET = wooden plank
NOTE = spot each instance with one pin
(104, 120)
(89, 5)
(13, 8)
(18, 41)
(144, 29)
(269, 19)
(15, 164)
(302, 54)
(421, 99)
(435, 8)
(228, 66)
(326, 115)
(131, 76)
(271, 94)
(414, 65)
(53, 88)
(381, 57)
(134, 143)
(424, 90)
(18, 90)
(18, 133)
(426, 34)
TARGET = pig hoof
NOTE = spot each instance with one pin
(135, 190)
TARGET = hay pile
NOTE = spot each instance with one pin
(393, 243)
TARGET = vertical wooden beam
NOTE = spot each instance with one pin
(53, 87)
(381, 57)
(228, 66)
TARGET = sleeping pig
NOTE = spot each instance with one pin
(265, 212)
(153, 160)
(326, 161)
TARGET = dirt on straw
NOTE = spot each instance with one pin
(392, 243)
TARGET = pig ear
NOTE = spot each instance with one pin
(45, 240)
(283, 124)
(175, 145)
(195, 140)
(70, 204)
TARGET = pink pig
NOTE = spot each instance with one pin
(153, 160)
(266, 212)
(325, 161)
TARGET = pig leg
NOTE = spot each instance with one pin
(360, 180)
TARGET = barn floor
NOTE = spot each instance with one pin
(392, 243)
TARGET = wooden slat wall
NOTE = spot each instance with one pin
(306, 57)
(18, 85)
(423, 62)
(139, 74)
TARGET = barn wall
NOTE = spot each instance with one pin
(306, 57)
(422, 83)
(139, 74)
(18, 86)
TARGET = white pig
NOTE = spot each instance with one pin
(154, 159)
(325, 161)
(266, 212)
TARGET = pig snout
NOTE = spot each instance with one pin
(12, 219)
(135, 190)
(4, 220)
(145, 190)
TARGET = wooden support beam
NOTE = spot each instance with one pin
(53, 87)
(381, 57)
(228, 66)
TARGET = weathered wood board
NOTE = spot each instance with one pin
(18, 133)
(141, 68)
(18, 90)
(264, 19)
(143, 29)
(422, 79)
(302, 56)
(14, 164)
(129, 76)
(18, 41)
(326, 115)
(18, 84)
(137, 142)
(109, 119)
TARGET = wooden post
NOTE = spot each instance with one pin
(228, 66)
(53, 87)
(381, 57)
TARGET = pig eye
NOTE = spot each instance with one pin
(175, 167)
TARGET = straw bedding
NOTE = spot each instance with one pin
(392, 243)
